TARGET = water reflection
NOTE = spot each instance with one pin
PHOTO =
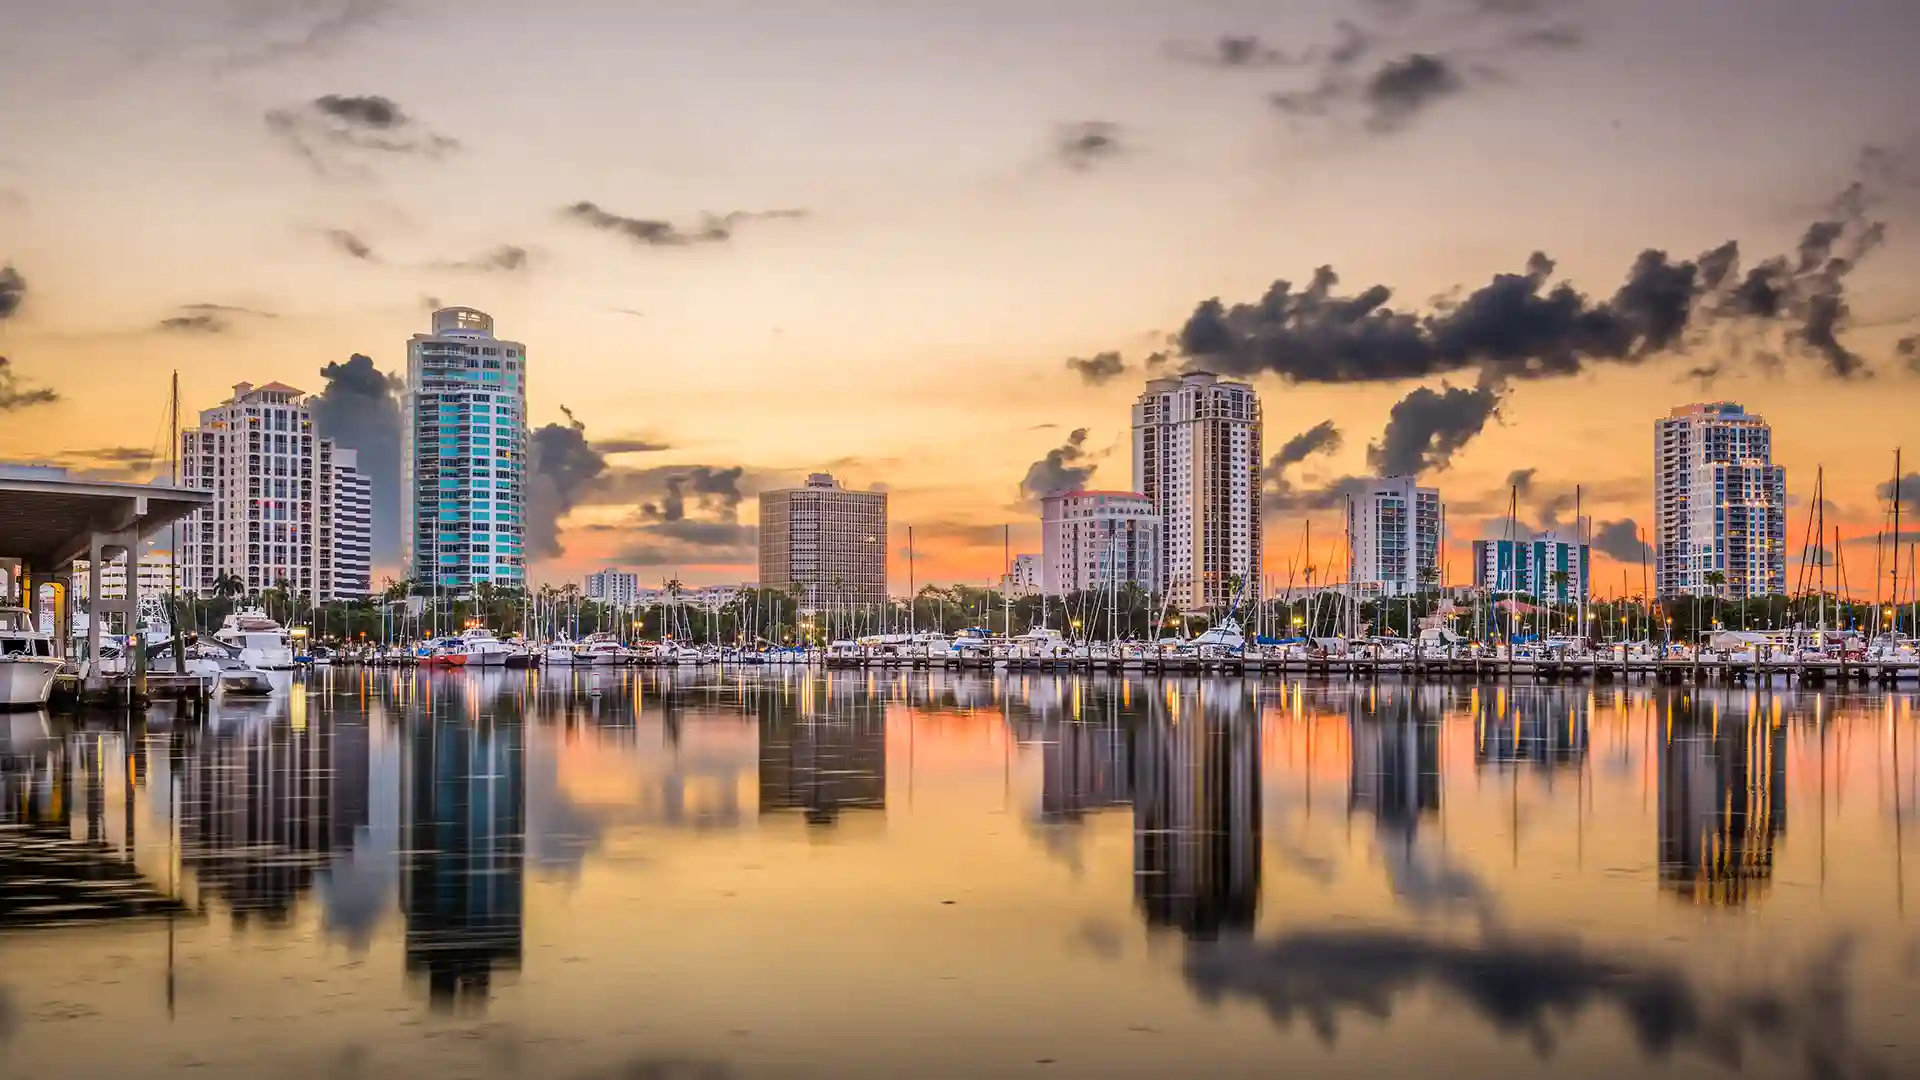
(1723, 799)
(823, 747)
(463, 887)
(1196, 809)
(1230, 878)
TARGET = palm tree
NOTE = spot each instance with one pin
(1716, 581)
(229, 585)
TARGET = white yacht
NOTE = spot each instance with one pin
(262, 642)
(27, 663)
(483, 649)
(1225, 636)
(562, 654)
(598, 650)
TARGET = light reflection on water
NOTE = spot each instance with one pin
(695, 874)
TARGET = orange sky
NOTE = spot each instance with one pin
(911, 329)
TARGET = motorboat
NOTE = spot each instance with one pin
(599, 650)
(27, 663)
(263, 642)
(447, 653)
(561, 653)
(483, 649)
(521, 655)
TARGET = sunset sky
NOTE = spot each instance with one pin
(868, 236)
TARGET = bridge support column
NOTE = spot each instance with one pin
(103, 547)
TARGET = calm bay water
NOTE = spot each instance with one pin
(658, 875)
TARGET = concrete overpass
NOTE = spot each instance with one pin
(49, 518)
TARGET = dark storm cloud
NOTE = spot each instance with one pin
(14, 395)
(350, 244)
(130, 463)
(13, 291)
(561, 466)
(209, 318)
(334, 133)
(1086, 144)
(1909, 351)
(202, 322)
(1279, 492)
(1404, 87)
(1099, 369)
(713, 229)
(715, 492)
(1065, 468)
(1533, 988)
(610, 447)
(1232, 51)
(371, 111)
(359, 409)
(1909, 493)
(1282, 495)
(1620, 540)
(506, 258)
(1523, 326)
(1427, 427)
(1321, 438)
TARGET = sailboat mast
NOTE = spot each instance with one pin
(173, 534)
(1896, 544)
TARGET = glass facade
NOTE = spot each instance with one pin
(464, 460)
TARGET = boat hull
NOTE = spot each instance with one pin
(27, 682)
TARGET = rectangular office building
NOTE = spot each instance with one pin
(827, 541)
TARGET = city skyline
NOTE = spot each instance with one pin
(946, 317)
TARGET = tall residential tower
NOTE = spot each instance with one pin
(272, 519)
(1720, 504)
(463, 471)
(1196, 458)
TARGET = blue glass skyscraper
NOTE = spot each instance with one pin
(464, 460)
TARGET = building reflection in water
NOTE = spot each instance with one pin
(1196, 806)
(823, 746)
(463, 877)
(1395, 773)
(1723, 798)
(269, 793)
(1541, 726)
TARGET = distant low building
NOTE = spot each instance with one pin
(611, 586)
(1024, 578)
(1548, 566)
(156, 575)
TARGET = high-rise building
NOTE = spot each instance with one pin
(352, 527)
(1393, 533)
(272, 516)
(1549, 566)
(1196, 458)
(615, 587)
(1092, 540)
(1720, 504)
(463, 465)
(828, 542)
